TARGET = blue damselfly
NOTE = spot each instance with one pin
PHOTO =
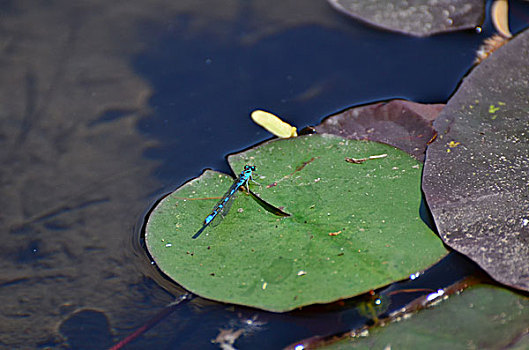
(223, 206)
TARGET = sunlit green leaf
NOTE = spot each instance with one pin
(353, 226)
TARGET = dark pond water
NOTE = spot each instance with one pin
(107, 107)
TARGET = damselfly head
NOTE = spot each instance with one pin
(249, 167)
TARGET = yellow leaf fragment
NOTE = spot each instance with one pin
(273, 124)
(493, 109)
(452, 144)
(500, 17)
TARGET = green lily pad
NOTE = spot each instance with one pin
(353, 227)
(483, 317)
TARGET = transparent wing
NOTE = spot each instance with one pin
(223, 206)
(220, 209)
(225, 209)
(227, 205)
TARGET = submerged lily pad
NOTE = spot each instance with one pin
(476, 177)
(353, 227)
(483, 317)
(415, 17)
(403, 124)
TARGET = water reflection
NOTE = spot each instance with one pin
(106, 107)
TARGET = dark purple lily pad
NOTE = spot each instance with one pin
(476, 175)
(415, 17)
(399, 123)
